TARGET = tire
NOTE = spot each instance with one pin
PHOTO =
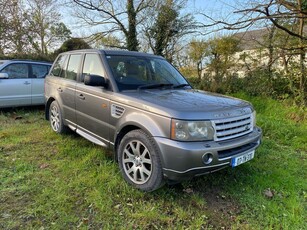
(56, 119)
(139, 161)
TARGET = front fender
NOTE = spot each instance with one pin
(154, 125)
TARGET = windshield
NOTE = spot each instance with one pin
(131, 72)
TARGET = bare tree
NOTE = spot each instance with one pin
(45, 25)
(115, 16)
(13, 27)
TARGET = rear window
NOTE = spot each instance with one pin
(58, 66)
(73, 66)
(39, 71)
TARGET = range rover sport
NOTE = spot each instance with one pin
(139, 105)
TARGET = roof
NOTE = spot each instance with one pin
(24, 61)
(114, 52)
(252, 39)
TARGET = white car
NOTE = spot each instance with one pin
(22, 82)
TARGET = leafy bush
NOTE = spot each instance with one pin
(259, 82)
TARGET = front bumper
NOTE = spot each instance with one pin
(183, 160)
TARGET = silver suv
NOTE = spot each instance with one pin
(22, 82)
(161, 129)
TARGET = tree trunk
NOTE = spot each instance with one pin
(131, 37)
(302, 57)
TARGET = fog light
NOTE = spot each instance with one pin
(207, 158)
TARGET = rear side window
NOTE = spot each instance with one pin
(92, 65)
(16, 71)
(59, 65)
(73, 66)
(39, 71)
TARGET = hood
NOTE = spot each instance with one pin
(189, 104)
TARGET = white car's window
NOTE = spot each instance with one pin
(16, 71)
(39, 71)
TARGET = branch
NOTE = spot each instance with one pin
(90, 6)
(263, 13)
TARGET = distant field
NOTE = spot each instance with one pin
(49, 181)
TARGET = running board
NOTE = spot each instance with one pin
(90, 138)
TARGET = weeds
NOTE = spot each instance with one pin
(65, 182)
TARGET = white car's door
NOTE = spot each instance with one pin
(39, 72)
(16, 89)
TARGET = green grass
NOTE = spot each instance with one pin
(55, 181)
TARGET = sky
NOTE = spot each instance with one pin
(213, 8)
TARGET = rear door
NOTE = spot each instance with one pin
(92, 103)
(38, 74)
(16, 90)
(61, 85)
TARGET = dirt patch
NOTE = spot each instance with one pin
(222, 211)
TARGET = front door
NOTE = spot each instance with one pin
(93, 104)
(16, 90)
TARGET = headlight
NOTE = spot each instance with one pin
(191, 130)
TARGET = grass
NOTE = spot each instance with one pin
(50, 181)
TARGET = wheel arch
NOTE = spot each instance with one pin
(47, 107)
(144, 122)
(123, 131)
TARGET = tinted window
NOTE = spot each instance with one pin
(59, 66)
(73, 66)
(132, 72)
(39, 71)
(16, 70)
(92, 65)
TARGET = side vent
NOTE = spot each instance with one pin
(117, 111)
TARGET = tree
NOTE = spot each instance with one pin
(115, 16)
(197, 53)
(288, 16)
(3, 25)
(72, 44)
(13, 27)
(30, 25)
(107, 41)
(45, 27)
(219, 52)
(168, 27)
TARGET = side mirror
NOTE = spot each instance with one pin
(95, 80)
(4, 75)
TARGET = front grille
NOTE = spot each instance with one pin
(232, 127)
(231, 152)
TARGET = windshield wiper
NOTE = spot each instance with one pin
(180, 86)
(154, 86)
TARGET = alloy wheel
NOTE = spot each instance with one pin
(137, 162)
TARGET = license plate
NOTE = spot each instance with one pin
(242, 159)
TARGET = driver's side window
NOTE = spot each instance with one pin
(16, 71)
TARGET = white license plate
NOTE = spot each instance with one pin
(242, 159)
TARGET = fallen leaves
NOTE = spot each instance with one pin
(269, 193)
(44, 165)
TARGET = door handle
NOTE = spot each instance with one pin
(26, 83)
(81, 97)
(60, 89)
